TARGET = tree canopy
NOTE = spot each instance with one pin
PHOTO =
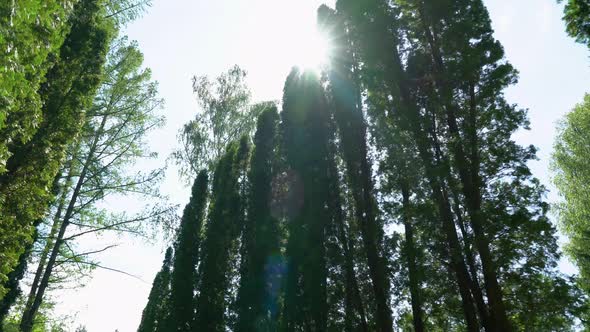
(572, 178)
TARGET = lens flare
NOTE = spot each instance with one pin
(315, 51)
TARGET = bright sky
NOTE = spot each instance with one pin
(181, 38)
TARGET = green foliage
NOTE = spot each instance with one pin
(226, 115)
(260, 252)
(47, 320)
(31, 32)
(225, 219)
(571, 164)
(577, 20)
(345, 98)
(70, 86)
(111, 141)
(417, 86)
(184, 276)
(154, 312)
(125, 11)
(436, 91)
(12, 283)
(306, 123)
(113, 138)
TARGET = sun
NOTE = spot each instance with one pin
(314, 52)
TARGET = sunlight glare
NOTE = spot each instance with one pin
(314, 52)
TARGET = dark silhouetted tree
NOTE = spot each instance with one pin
(188, 243)
(225, 220)
(257, 300)
(305, 124)
(158, 299)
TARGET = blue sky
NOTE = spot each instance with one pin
(181, 38)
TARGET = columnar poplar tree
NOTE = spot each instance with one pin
(188, 242)
(225, 219)
(68, 90)
(305, 124)
(157, 305)
(409, 111)
(256, 300)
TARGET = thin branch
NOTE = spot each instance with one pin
(69, 259)
(123, 10)
(115, 225)
(114, 270)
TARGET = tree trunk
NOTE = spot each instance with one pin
(417, 312)
(469, 255)
(50, 239)
(29, 314)
(14, 278)
(352, 300)
(474, 283)
(351, 123)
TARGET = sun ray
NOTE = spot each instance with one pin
(315, 51)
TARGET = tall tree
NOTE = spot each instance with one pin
(395, 83)
(439, 79)
(571, 165)
(226, 216)
(154, 311)
(15, 277)
(184, 275)
(411, 255)
(344, 292)
(305, 123)
(257, 300)
(68, 90)
(352, 128)
(479, 74)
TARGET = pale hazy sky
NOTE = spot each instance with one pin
(181, 38)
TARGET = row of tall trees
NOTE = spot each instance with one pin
(79, 130)
(387, 194)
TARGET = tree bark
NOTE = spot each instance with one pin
(475, 285)
(417, 312)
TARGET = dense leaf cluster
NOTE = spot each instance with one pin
(571, 164)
